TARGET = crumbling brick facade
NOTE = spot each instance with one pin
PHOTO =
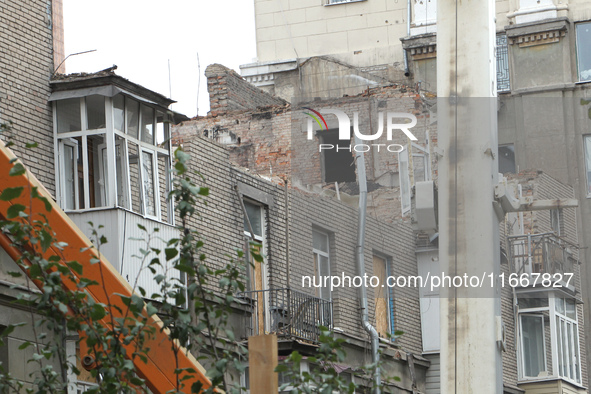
(272, 141)
(228, 92)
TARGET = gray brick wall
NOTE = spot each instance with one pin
(221, 226)
(25, 67)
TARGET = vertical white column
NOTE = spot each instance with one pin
(468, 171)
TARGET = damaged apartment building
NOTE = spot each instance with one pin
(544, 346)
(104, 153)
(333, 48)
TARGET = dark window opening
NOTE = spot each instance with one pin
(339, 161)
(507, 159)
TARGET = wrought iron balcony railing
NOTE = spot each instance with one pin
(287, 313)
(540, 254)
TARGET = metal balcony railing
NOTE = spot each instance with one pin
(540, 254)
(286, 313)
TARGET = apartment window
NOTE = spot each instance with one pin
(507, 159)
(567, 334)
(502, 55)
(424, 17)
(549, 338)
(321, 251)
(384, 305)
(338, 164)
(584, 51)
(255, 216)
(587, 148)
(533, 345)
(113, 152)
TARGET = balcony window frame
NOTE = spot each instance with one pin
(117, 139)
(557, 338)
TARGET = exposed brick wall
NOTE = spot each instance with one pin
(228, 91)
(272, 141)
(26, 53)
(221, 225)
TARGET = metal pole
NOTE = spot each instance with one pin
(360, 259)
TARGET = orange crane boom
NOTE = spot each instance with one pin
(159, 369)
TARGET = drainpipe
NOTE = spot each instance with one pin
(408, 16)
(375, 340)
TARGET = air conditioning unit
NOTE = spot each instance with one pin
(425, 214)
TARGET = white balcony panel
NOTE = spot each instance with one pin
(120, 227)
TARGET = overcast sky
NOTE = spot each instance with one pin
(142, 36)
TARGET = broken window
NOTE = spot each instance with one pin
(584, 51)
(338, 161)
(104, 162)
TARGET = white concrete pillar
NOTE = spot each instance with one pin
(468, 171)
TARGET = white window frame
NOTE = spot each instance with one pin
(574, 347)
(522, 345)
(107, 171)
(578, 46)
(61, 189)
(155, 183)
(587, 158)
(556, 340)
(318, 252)
(126, 203)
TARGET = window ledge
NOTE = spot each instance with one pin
(110, 208)
(338, 2)
(550, 379)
